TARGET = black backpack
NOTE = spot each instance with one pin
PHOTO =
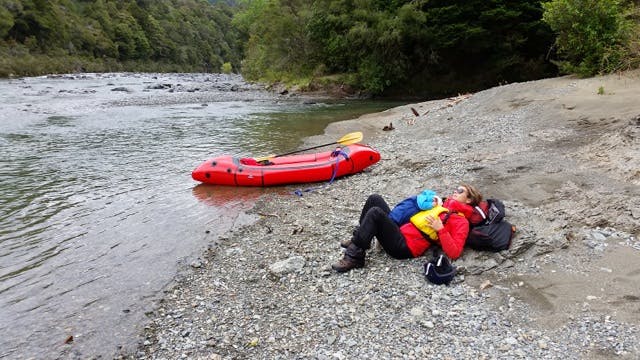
(493, 233)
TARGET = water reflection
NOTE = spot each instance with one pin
(230, 197)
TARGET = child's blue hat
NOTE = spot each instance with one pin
(425, 199)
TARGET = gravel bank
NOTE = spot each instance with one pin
(564, 159)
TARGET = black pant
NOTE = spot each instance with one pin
(375, 221)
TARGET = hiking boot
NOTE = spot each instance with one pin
(345, 264)
(353, 259)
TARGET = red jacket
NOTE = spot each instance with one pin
(452, 237)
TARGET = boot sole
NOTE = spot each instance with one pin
(344, 270)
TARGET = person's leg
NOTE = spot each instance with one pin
(373, 201)
(376, 223)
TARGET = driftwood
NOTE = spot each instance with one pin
(452, 101)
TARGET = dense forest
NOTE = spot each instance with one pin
(41, 36)
(400, 46)
(390, 47)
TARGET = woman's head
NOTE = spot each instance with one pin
(467, 194)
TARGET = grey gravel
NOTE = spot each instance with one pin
(564, 160)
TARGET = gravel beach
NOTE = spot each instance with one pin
(564, 156)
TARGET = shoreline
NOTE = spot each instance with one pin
(551, 149)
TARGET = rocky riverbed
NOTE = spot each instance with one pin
(563, 154)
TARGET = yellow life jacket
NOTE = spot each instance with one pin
(420, 220)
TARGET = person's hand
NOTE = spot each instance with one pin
(435, 222)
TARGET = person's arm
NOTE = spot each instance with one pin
(452, 235)
(403, 211)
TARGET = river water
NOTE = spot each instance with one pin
(98, 212)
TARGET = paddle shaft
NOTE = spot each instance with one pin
(311, 148)
(348, 139)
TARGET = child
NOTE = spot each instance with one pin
(432, 206)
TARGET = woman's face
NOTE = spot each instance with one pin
(461, 194)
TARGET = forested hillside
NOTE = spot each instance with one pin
(435, 47)
(389, 47)
(40, 36)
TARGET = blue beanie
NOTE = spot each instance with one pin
(425, 199)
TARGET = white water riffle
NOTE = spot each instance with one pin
(98, 212)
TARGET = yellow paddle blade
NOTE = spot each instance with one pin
(350, 138)
(265, 158)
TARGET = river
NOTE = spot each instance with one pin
(98, 212)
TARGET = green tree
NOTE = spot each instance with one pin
(364, 39)
(593, 37)
(277, 47)
(161, 45)
(8, 9)
(41, 20)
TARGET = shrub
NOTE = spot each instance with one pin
(226, 68)
(593, 36)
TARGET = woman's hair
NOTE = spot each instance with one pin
(473, 194)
